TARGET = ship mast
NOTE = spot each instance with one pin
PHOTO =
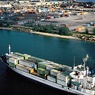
(74, 63)
(9, 49)
(84, 60)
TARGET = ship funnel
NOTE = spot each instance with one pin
(9, 49)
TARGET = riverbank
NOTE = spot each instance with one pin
(53, 35)
(83, 37)
(26, 29)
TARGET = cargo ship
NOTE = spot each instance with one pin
(78, 80)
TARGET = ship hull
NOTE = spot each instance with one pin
(46, 82)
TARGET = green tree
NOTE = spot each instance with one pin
(1, 24)
(48, 28)
(86, 31)
(64, 31)
(35, 27)
(93, 31)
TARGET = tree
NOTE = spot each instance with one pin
(1, 24)
(64, 31)
(86, 31)
(93, 31)
(48, 28)
(35, 27)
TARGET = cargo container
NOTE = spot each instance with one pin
(51, 78)
(62, 76)
(47, 72)
(56, 66)
(79, 29)
(27, 63)
(63, 83)
(49, 67)
(75, 84)
(23, 68)
(11, 64)
(35, 60)
(22, 55)
(42, 71)
(13, 60)
(15, 56)
(31, 70)
(19, 54)
(43, 64)
(54, 72)
(26, 56)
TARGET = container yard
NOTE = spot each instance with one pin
(72, 18)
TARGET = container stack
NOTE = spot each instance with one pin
(54, 72)
(12, 62)
(49, 67)
(27, 63)
(42, 71)
(17, 56)
(24, 68)
(55, 66)
(42, 68)
(35, 60)
(25, 56)
(43, 64)
(51, 78)
(62, 78)
(13, 56)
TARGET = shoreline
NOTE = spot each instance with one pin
(41, 33)
(53, 35)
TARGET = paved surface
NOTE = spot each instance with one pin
(73, 21)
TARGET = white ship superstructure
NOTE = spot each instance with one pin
(78, 80)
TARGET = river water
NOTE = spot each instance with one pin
(85, 1)
(59, 50)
